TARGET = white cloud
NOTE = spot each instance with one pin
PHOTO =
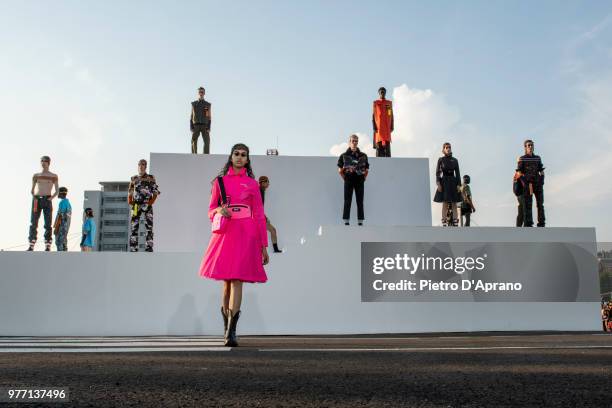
(423, 121)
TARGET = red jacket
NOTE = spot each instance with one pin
(382, 120)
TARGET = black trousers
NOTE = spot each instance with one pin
(40, 204)
(538, 192)
(200, 129)
(383, 151)
(353, 182)
(466, 212)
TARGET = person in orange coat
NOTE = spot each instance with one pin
(382, 121)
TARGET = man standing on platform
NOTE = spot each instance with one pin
(142, 193)
(382, 121)
(353, 167)
(531, 168)
(199, 122)
(43, 184)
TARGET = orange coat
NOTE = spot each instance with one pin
(382, 119)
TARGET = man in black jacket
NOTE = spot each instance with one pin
(531, 168)
(199, 122)
(353, 167)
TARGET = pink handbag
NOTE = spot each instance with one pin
(237, 211)
(219, 222)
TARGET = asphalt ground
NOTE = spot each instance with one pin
(433, 370)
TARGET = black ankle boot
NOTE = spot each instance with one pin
(276, 249)
(224, 314)
(230, 335)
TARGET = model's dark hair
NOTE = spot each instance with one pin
(527, 141)
(382, 88)
(228, 164)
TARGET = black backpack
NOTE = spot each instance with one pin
(518, 186)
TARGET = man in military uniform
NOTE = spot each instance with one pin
(531, 168)
(199, 122)
(142, 193)
(45, 187)
(353, 167)
(382, 121)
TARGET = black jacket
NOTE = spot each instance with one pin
(353, 162)
(531, 167)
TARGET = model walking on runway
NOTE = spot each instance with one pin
(237, 250)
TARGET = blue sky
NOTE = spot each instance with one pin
(99, 85)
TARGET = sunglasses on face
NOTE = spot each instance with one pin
(240, 154)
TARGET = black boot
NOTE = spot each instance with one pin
(224, 314)
(230, 335)
(276, 250)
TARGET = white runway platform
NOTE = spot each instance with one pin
(313, 288)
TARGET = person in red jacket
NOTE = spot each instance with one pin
(382, 121)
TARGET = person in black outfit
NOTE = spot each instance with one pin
(518, 183)
(531, 168)
(448, 181)
(353, 167)
(199, 122)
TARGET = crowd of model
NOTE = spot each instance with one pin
(353, 168)
(237, 250)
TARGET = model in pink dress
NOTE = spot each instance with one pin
(239, 253)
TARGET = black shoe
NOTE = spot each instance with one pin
(360, 223)
(230, 334)
(30, 248)
(346, 223)
(224, 314)
(276, 250)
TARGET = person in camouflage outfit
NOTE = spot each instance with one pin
(142, 193)
(62, 221)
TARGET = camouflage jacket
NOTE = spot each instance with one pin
(143, 188)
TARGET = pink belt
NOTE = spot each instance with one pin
(239, 211)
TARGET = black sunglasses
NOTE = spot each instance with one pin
(239, 154)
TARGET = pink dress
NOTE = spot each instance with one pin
(236, 253)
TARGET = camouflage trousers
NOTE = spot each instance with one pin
(61, 238)
(138, 210)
